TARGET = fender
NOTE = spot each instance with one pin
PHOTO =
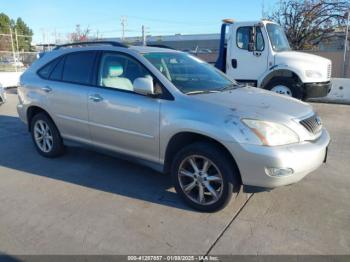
(279, 70)
(27, 107)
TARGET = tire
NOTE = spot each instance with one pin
(199, 153)
(290, 83)
(42, 121)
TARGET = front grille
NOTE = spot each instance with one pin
(312, 124)
(329, 71)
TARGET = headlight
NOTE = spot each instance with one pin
(313, 74)
(270, 133)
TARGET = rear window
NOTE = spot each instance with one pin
(45, 71)
(56, 74)
(78, 67)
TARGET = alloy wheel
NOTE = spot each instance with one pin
(43, 136)
(200, 180)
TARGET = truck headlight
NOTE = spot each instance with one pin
(270, 133)
(313, 74)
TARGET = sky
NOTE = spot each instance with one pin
(49, 18)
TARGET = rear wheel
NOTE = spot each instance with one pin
(204, 177)
(46, 136)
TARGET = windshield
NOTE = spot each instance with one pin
(189, 74)
(277, 37)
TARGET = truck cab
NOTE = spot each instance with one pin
(258, 54)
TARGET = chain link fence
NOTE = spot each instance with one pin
(16, 61)
(12, 59)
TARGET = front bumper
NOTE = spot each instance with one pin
(22, 113)
(303, 158)
(312, 90)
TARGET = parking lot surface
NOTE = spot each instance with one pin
(89, 203)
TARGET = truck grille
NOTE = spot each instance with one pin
(312, 124)
(329, 71)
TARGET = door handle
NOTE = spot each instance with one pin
(95, 98)
(234, 63)
(256, 53)
(47, 89)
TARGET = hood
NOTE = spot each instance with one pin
(252, 102)
(301, 57)
(300, 62)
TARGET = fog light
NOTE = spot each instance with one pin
(278, 172)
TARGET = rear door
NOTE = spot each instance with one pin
(67, 91)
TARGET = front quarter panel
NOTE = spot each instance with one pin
(221, 124)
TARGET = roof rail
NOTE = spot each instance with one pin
(161, 46)
(112, 43)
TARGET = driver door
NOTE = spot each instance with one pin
(120, 119)
(243, 65)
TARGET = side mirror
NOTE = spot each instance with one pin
(252, 40)
(144, 86)
(251, 47)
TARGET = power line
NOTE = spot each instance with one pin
(170, 21)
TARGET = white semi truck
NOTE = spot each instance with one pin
(258, 53)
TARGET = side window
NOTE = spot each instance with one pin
(243, 37)
(119, 71)
(45, 71)
(78, 67)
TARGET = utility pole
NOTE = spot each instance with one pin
(55, 35)
(43, 38)
(263, 10)
(13, 50)
(144, 40)
(16, 35)
(346, 44)
(17, 46)
(123, 22)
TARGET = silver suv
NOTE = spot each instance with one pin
(173, 112)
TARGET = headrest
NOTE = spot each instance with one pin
(115, 70)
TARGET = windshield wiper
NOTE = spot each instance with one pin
(230, 87)
(202, 92)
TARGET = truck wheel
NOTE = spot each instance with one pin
(285, 86)
(46, 136)
(204, 177)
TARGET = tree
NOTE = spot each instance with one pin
(5, 24)
(308, 22)
(80, 35)
(25, 35)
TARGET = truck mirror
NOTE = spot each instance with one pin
(251, 47)
(252, 39)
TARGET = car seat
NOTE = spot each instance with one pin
(113, 78)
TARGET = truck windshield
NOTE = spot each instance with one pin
(190, 74)
(277, 37)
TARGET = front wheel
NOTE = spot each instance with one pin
(204, 177)
(285, 86)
